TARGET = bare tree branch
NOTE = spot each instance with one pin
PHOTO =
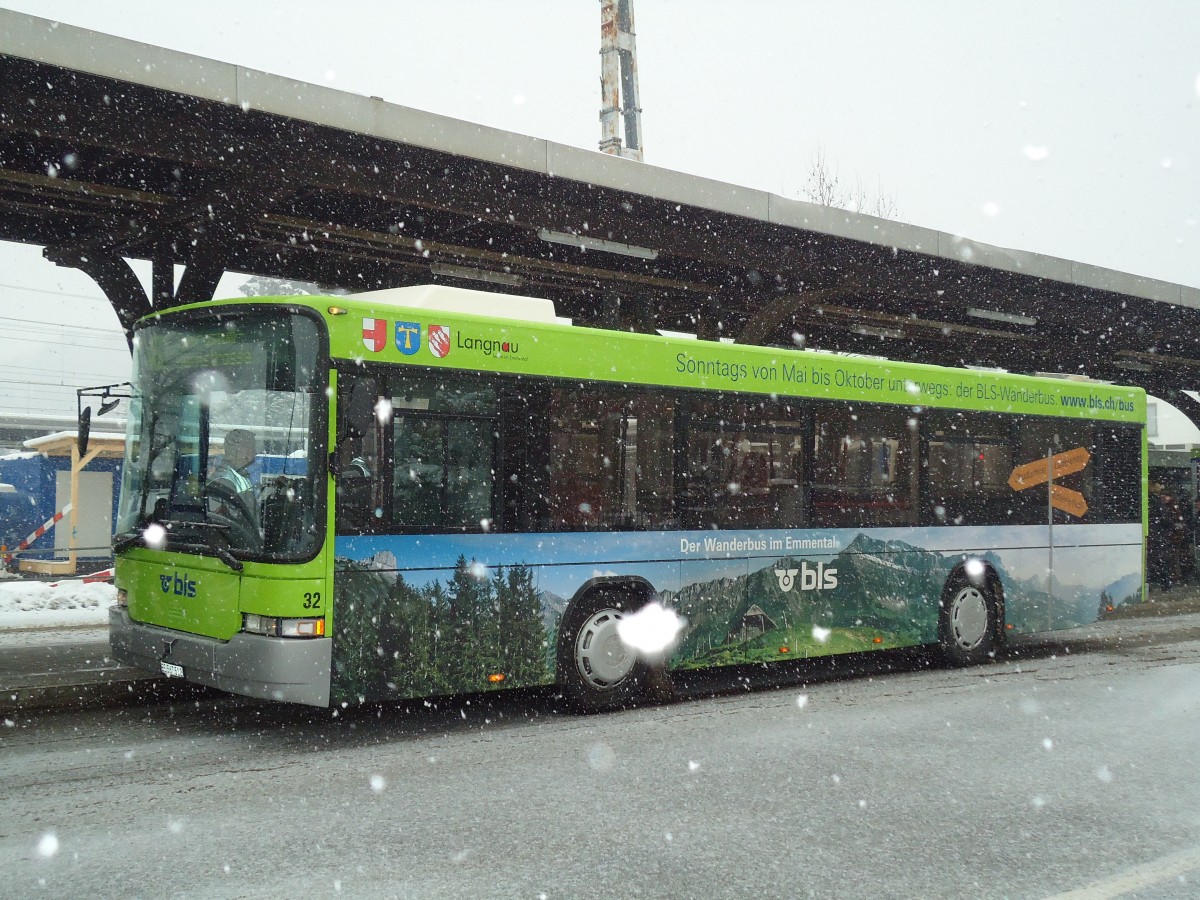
(824, 187)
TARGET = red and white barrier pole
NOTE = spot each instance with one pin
(38, 532)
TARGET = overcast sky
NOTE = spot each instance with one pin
(1064, 127)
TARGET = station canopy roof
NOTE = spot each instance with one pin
(62, 443)
(112, 149)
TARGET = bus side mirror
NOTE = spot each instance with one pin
(361, 407)
(85, 430)
(109, 396)
(356, 419)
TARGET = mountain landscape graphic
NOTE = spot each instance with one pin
(889, 588)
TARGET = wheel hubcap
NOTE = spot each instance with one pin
(602, 658)
(968, 618)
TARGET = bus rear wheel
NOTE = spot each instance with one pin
(596, 669)
(970, 620)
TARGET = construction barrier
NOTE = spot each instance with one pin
(38, 532)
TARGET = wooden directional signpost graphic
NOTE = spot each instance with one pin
(1050, 469)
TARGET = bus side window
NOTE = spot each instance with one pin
(649, 477)
(524, 455)
(863, 471)
(1038, 438)
(443, 474)
(1117, 451)
(968, 461)
(444, 439)
(470, 473)
(419, 470)
(610, 465)
(743, 464)
(582, 489)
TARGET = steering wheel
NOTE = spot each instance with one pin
(242, 522)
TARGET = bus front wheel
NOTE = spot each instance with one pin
(970, 620)
(596, 669)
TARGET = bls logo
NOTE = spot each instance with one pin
(183, 586)
(818, 579)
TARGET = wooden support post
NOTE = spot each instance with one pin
(77, 466)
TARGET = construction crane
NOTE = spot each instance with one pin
(618, 81)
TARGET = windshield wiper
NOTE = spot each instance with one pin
(210, 544)
(226, 557)
(221, 553)
(135, 536)
(125, 541)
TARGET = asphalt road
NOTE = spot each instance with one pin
(1068, 766)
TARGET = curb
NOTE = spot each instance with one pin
(119, 691)
(1152, 609)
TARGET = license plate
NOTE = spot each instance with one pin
(171, 670)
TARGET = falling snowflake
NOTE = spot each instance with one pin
(48, 845)
(651, 630)
(155, 536)
(601, 757)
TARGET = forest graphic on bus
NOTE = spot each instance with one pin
(473, 624)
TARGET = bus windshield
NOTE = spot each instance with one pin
(225, 436)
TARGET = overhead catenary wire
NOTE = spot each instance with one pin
(33, 331)
(35, 376)
(35, 290)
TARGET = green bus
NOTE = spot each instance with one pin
(449, 491)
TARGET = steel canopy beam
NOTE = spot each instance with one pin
(213, 167)
(114, 276)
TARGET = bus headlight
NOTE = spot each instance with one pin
(301, 627)
(273, 626)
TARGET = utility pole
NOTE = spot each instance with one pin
(618, 81)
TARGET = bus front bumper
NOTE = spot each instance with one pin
(294, 670)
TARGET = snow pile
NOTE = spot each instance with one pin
(37, 604)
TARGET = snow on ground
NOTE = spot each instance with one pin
(40, 604)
